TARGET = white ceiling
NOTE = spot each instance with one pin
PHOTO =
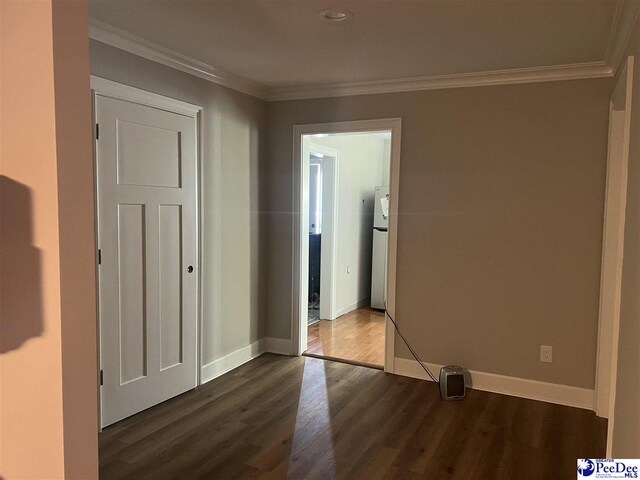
(286, 43)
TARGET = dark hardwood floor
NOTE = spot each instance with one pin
(280, 417)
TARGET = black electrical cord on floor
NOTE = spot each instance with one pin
(395, 325)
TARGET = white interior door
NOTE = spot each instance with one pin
(146, 173)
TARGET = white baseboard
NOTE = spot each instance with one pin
(232, 360)
(365, 302)
(281, 346)
(516, 387)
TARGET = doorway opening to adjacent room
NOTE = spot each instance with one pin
(346, 183)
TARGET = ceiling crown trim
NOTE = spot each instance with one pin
(479, 79)
(627, 13)
(115, 37)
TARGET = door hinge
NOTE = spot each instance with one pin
(97, 131)
(101, 377)
(99, 256)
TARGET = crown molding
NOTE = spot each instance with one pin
(115, 37)
(624, 21)
(497, 77)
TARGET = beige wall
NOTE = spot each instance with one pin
(500, 228)
(626, 429)
(232, 129)
(48, 376)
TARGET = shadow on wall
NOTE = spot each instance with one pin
(20, 268)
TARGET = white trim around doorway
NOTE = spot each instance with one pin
(613, 246)
(328, 257)
(300, 254)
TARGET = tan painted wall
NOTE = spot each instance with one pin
(626, 429)
(500, 227)
(233, 126)
(48, 400)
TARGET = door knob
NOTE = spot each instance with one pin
(190, 269)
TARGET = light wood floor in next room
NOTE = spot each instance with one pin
(280, 417)
(357, 336)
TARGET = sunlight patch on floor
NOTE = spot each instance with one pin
(313, 437)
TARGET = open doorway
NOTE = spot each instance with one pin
(345, 216)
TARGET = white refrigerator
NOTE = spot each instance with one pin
(379, 252)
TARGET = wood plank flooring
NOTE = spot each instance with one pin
(357, 336)
(280, 417)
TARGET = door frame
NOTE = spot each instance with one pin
(613, 246)
(102, 87)
(300, 204)
(328, 257)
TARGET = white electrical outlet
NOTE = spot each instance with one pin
(546, 353)
(348, 269)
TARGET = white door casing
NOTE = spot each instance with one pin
(146, 164)
(303, 304)
(613, 245)
(328, 254)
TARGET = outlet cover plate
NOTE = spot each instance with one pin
(546, 353)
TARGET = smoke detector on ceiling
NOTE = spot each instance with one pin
(336, 15)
